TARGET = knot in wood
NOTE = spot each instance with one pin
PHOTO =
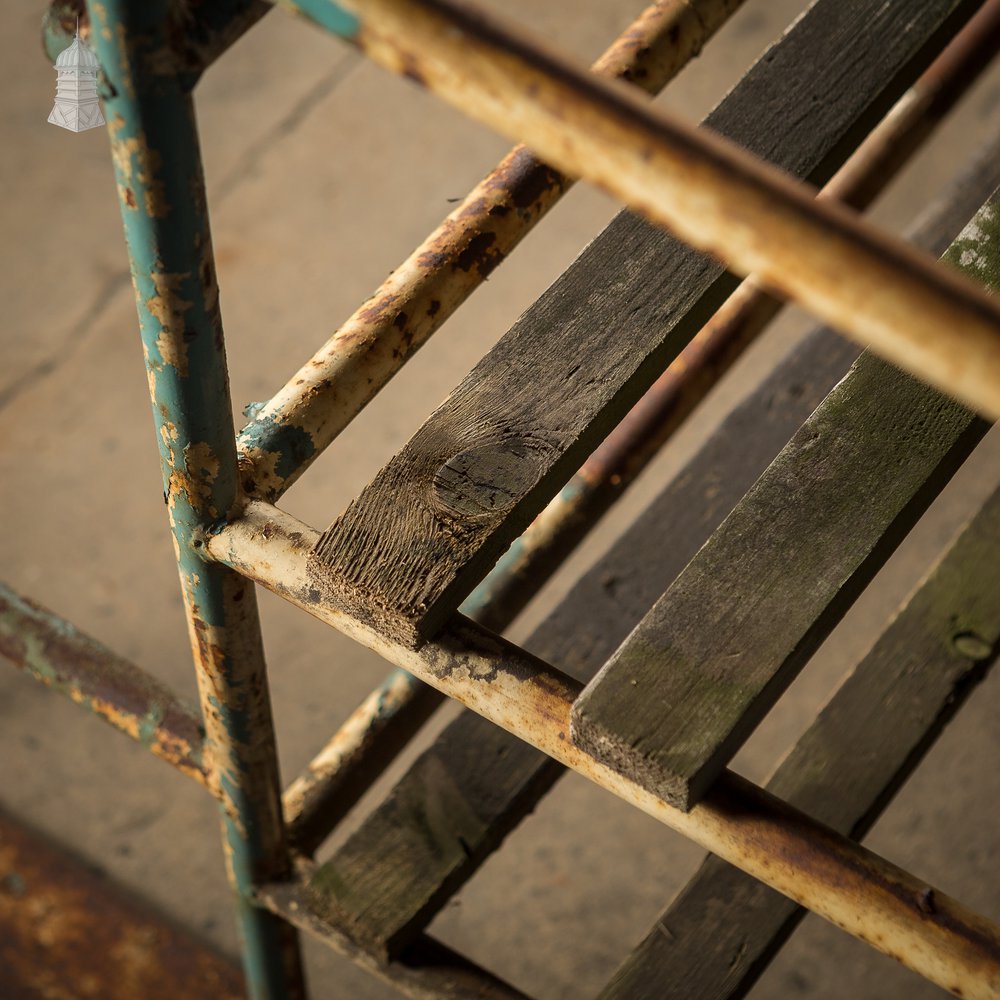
(486, 479)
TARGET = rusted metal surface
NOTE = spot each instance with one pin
(59, 25)
(56, 653)
(155, 148)
(68, 933)
(709, 192)
(427, 971)
(853, 888)
(303, 417)
(356, 755)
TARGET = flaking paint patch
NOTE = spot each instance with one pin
(124, 62)
(146, 170)
(202, 464)
(98, 12)
(168, 308)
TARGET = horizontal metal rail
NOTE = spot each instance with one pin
(842, 882)
(382, 725)
(56, 653)
(330, 389)
(712, 194)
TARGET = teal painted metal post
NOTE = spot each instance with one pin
(154, 144)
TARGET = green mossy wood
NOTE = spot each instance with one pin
(721, 931)
(716, 651)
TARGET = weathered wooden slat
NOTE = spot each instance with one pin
(690, 684)
(724, 927)
(464, 794)
(390, 878)
(429, 526)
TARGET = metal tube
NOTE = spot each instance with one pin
(56, 653)
(327, 392)
(354, 757)
(818, 868)
(942, 327)
(154, 145)
(362, 748)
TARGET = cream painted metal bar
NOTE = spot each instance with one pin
(330, 389)
(713, 195)
(841, 881)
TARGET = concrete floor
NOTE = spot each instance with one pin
(323, 173)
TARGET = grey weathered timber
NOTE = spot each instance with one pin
(393, 875)
(716, 651)
(724, 927)
(464, 794)
(416, 541)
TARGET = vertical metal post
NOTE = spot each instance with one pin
(154, 143)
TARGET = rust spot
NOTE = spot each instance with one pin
(411, 71)
(499, 211)
(478, 254)
(130, 197)
(375, 312)
(434, 308)
(925, 900)
(429, 259)
(523, 181)
(400, 321)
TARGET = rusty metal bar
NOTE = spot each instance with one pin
(155, 149)
(837, 879)
(943, 328)
(327, 392)
(361, 749)
(358, 752)
(56, 653)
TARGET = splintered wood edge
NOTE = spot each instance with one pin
(360, 604)
(607, 747)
